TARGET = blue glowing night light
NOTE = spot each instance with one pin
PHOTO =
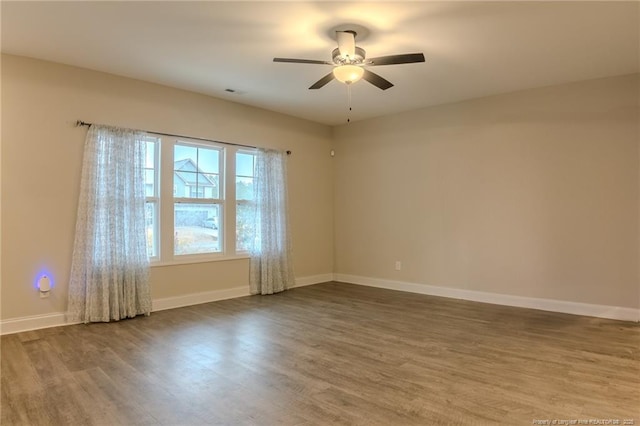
(41, 274)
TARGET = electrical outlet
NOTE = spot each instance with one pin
(398, 265)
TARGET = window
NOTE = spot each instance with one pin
(151, 193)
(198, 201)
(245, 199)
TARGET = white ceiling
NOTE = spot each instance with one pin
(472, 49)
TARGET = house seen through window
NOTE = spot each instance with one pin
(196, 216)
(198, 201)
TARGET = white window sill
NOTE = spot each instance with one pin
(191, 260)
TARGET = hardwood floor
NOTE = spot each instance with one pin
(326, 354)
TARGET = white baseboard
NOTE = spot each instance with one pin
(600, 311)
(33, 322)
(313, 279)
(197, 298)
(36, 322)
(56, 319)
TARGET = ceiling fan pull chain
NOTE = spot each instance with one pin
(349, 101)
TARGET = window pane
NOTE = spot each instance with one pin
(151, 190)
(182, 182)
(244, 164)
(245, 208)
(196, 172)
(150, 159)
(149, 183)
(244, 225)
(185, 158)
(208, 160)
(208, 184)
(244, 188)
(196, 228)
(151, 216)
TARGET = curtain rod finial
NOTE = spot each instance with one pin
(288, 152)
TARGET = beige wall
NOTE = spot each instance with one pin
(41, 164)
(530, 194)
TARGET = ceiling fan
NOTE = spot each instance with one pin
(349, 62)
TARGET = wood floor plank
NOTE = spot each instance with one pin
(328, 354)
(20, 372)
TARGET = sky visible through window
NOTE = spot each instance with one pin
(244, 164)
(205, 159)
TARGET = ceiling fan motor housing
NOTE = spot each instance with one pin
(357, 59)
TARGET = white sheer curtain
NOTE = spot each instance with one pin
(109, 272)
(271, 267)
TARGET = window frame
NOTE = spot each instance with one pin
(166, 201)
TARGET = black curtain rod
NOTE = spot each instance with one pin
(84, 123)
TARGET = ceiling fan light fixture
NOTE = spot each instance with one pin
(348, 74)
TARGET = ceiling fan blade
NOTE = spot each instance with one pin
(407, 58)
(302, 61)
(346, 44)
(324, 80)
(376, 80)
